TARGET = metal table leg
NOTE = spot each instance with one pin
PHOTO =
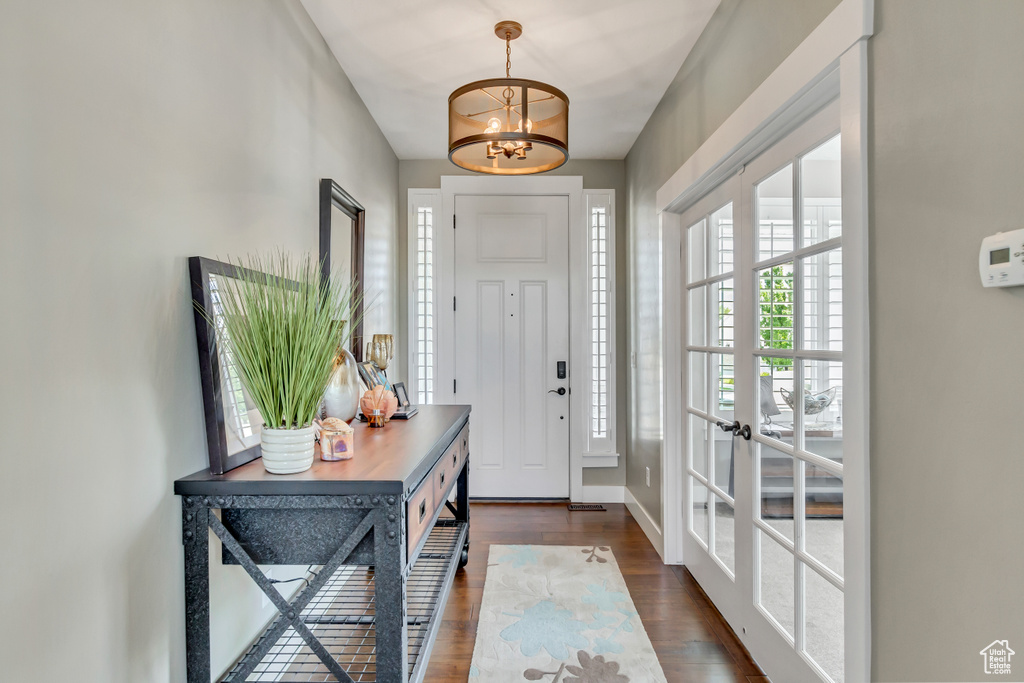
(196, 539)
(390, 602)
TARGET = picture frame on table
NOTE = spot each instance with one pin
(405, 407)
(369, 373)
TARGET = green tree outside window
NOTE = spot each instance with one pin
(776, 315)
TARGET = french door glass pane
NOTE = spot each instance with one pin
(699, 516)
(774, 197)
(698, 396)
(696, 252)
(775, 300)
(823, 301)
(775, 379)
(775, 581)
(821, 192)
(823, 510)
(720, 224)
(725, 462)
(723, 374)
(722, 294)
(699, 444)
(725, 534)
(823, 408)
(823, 606)
(697, 312)
(776, 489)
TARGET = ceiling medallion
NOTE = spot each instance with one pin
(508, 126)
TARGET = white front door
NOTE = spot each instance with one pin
(511, 333)
(764, 292)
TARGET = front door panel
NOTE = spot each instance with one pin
(511, 330)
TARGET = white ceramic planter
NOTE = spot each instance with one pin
(287, 451)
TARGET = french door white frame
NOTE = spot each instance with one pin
(444, 260)
(831, 63)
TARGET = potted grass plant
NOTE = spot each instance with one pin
(283, 325)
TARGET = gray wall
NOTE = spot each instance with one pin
(742, 44)
(947, 461)
(133, 135)
(597, 175)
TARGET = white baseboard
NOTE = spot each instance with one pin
(646, 522)
(601, 494)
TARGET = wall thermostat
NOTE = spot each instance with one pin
(1001, 261)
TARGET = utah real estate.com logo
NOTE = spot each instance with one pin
(997, 657)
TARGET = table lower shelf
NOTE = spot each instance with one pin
(341, 616)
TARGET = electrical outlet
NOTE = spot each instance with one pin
(648, 476)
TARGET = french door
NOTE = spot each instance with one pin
(763, 318)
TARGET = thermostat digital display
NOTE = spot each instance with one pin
(1001, 261)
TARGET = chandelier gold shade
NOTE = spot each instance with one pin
(508, 126)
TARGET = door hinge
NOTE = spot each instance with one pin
(453, 303)
(453, 221)
(454, 385)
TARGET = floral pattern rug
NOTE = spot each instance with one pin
(559, 614)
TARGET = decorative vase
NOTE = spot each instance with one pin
(341, 398)
(288, 451)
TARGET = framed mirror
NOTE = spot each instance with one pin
(233, 423)
(341, 247)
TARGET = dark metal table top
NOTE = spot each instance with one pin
(389, 460)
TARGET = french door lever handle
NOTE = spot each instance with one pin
(736, 428)
(726, 427)
(560, 391)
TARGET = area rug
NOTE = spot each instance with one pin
(559, 614)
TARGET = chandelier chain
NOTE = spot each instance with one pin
(508, 54)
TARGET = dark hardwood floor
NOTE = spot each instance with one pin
(693, 642)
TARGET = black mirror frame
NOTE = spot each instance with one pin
(200, 269)
(332, 195)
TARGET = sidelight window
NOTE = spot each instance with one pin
(424, 207)
(600, 383)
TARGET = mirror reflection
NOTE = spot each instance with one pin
(341, 244)
(242, 420)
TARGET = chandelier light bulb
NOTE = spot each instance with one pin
(494, 125)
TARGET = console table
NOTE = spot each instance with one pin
(374, 527)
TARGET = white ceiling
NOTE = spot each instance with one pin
(614, 60)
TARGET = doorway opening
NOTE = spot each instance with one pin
(537, 363)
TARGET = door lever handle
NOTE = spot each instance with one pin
(736, 428)
(560, 391)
